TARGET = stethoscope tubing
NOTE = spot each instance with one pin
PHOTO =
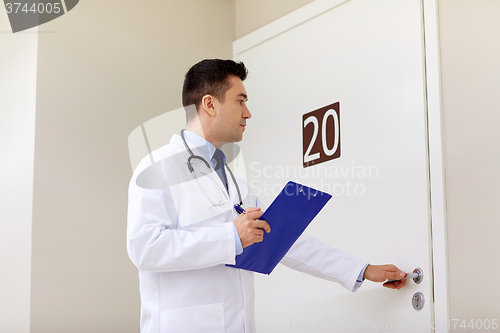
(191, 169)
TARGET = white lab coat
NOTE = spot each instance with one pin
(181, 243)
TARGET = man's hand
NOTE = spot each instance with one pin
(380, 273)
(250, 228)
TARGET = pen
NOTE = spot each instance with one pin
(239, 209)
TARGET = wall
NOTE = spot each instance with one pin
(254, 14)
(18, 65)
(470, 62)
(104, 68)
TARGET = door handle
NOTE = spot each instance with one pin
(417, 276)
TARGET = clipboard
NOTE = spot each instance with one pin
(288, 216)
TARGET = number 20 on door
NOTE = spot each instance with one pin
(321, 135)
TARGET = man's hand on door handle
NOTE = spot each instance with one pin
(380, 273)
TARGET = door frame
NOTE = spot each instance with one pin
(436, 172)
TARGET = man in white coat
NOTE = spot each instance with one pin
(183, 228)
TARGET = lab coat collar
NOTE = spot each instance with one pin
(206, 149)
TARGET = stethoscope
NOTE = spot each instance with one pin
(191, 169)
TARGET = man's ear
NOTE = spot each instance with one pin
(208, 105)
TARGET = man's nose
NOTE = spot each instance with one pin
(246, 113)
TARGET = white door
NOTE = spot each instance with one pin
(367, 55)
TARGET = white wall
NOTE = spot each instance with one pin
(104, 68)
(470, 62)
(18, 65)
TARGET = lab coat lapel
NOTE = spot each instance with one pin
(233, 194)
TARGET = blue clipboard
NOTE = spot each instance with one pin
(288, 216)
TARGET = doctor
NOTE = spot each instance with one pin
(183, 228)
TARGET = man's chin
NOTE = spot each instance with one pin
(232, 140)
(236, 138)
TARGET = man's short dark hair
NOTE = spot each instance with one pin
(210, 77)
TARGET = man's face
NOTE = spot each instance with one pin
(233, 113)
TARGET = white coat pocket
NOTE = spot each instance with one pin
(194, 319)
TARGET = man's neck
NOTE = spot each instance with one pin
(198, 130)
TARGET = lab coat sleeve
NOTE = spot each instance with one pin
(311, 256)
(155, 244)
